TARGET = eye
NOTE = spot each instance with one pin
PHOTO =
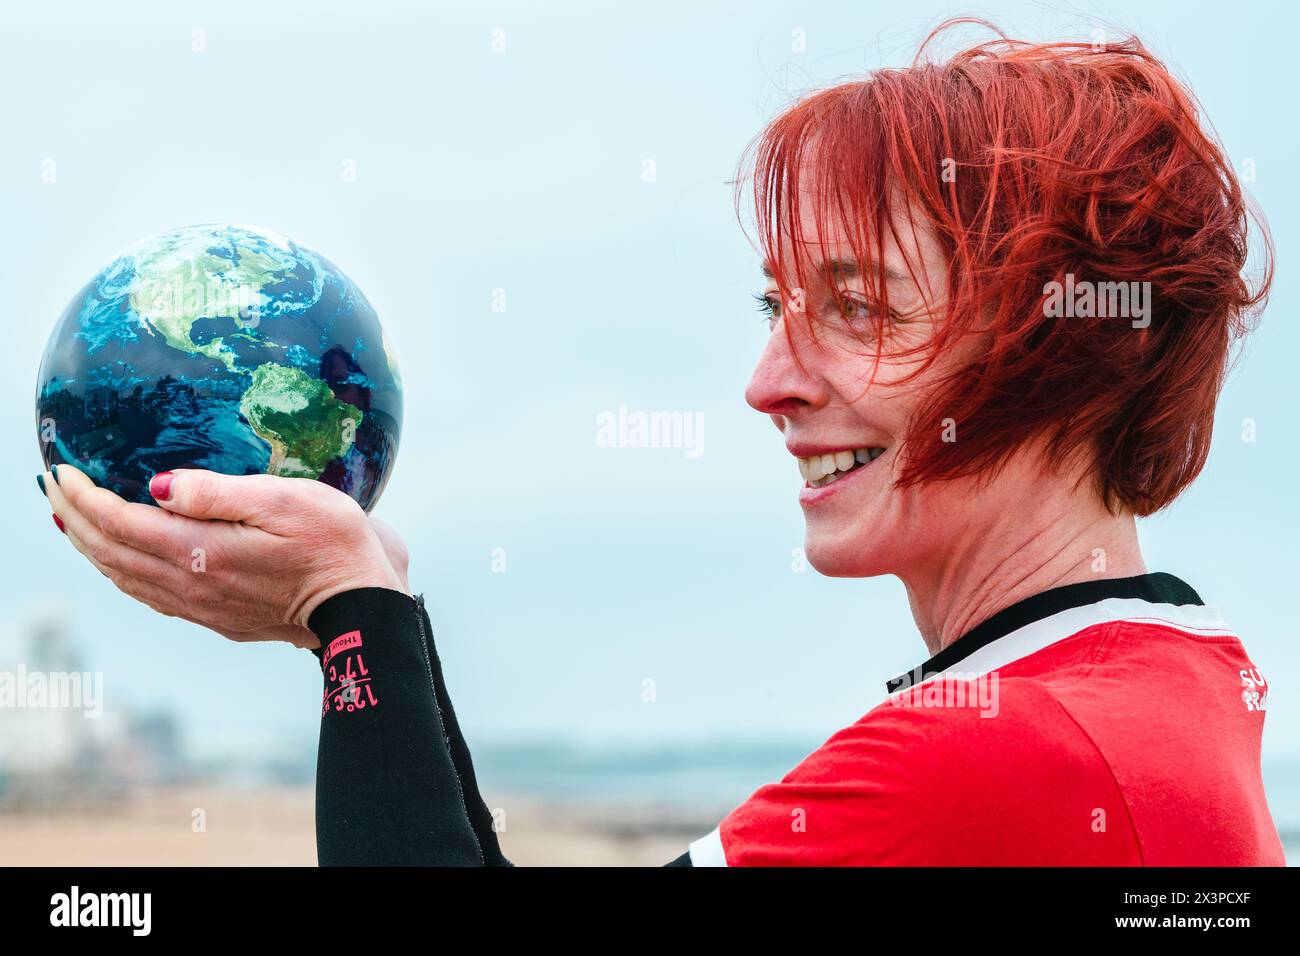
(769, 306)
(855, 308)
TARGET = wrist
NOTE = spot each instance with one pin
(380, 579)
(360, 609)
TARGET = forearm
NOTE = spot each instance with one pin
(395, 783)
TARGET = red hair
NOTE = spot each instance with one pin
(1030, 162)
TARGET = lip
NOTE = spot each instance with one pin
(808, 495)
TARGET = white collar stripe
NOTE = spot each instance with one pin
(1021, 643)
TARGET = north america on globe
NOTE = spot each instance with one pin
(224, 347)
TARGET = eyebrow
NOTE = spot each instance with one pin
(841, 269)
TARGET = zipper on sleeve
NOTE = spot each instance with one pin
(442, 724)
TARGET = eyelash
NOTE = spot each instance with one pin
(768, 308)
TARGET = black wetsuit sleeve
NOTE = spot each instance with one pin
(395, 783)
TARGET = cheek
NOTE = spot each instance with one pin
(877, 394)
(920, 516)
(885, 532)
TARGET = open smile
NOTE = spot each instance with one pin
(821, 470)
(835, 468)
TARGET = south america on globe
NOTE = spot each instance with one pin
(223, 347)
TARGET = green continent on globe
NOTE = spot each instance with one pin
(300, 418)
(176, 285)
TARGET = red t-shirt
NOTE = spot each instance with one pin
(1106, 723)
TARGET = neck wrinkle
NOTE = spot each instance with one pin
(1021, 558)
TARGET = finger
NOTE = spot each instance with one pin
(79, 502)
(133, 588)
(80, 546)
(210, 495)
(118, 562)
(168, 602)
(394, 546)
(389, 536)
(110, 556)
(157, 598)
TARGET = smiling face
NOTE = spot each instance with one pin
(845, 405)
(953, 427)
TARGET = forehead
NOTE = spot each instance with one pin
(902, 251)
(842, 268)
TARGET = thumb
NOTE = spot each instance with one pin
(210, 495)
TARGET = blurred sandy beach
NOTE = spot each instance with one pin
(275, 827)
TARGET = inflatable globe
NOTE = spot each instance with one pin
(222, 347)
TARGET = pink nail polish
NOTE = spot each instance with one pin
(160, 485)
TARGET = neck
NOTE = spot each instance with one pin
(1023, 550)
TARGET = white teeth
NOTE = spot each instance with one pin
(823, 469)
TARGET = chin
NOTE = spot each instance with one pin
(848, 556)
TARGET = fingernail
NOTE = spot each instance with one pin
(59, 524)
(54, 470)
(40, 482)
(160, 486)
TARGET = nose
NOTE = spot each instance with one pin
(782, 385)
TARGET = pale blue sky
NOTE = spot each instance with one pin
(522, 170)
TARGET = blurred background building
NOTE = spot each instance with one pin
(72, 752)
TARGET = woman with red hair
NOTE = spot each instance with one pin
(1003, 291)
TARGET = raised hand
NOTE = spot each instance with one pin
(249, 557)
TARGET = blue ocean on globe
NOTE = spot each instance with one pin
(224, 347)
